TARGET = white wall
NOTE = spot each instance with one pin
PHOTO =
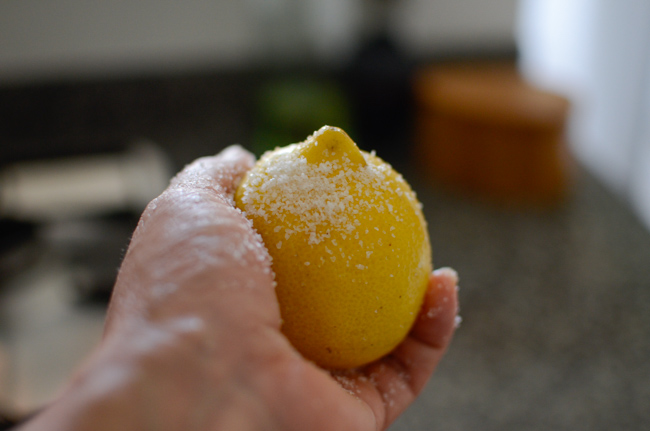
(426, 26)
(71, 38)
(43, 39)
(598, 53)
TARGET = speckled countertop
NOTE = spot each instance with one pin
(556, 317)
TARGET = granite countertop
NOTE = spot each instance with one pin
(556, 316)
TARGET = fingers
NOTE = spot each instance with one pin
(422, 350)
(401, 376)
(437, 320)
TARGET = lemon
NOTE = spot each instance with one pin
(349, 244)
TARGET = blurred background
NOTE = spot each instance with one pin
(523, 125)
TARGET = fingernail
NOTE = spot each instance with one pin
(448, 272)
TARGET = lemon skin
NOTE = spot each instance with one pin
(349, 244)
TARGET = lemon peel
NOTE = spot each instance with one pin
(349, 244)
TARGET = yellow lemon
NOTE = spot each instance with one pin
(349, 243)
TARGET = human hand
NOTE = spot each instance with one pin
(193, 335)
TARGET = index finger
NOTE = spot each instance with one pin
(423, 349)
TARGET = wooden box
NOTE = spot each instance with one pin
(482, 130)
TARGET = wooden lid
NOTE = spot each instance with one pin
(488, 92)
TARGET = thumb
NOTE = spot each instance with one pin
(192, 245)
(220, 173)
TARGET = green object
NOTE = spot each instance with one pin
(290, 109)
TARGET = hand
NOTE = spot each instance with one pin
(193, 339)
